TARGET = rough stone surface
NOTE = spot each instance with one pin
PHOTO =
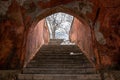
(17, 19)
(81, 34)
(9, 74)
(35, 39)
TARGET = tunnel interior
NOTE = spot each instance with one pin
(40, 34)
(94, 29)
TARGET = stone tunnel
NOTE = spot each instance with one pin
(95, 29)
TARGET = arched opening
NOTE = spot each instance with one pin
(59, 25)
(80, 33)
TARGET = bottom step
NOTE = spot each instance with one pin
(58, 77)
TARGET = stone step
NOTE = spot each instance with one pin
(59, 62)
(60, 67)
(62, 47)
(56, 65)
(69, 59)
(59, 49)
(59, 53)
(59, 46)
(59, 57)
(55, 62)
(59, 77)
(55, 41)
(63, 52)
(58, 71)
(52, 53)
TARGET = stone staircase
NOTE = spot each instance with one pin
(59, 62)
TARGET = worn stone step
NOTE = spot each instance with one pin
(55, 62)
(59, 77)
(59, 57)
(58, 71)
(60, 67)
(59, 62)
(77, 58)
(45, 63)
(48, 53)
(56, 65)
(68, 64)
(61, 50)
(59, 53)
(50, 59)
(53, 47)
(59, 46)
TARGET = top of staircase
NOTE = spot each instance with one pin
(60, 42)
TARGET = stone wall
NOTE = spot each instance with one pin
(11, 38)
(16, 18)
(80, 33)
(34, 40)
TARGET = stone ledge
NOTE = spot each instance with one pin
(9, 74)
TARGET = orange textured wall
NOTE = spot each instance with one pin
(15, 26)
(110, 28)
(37, 36)
(11, 38)
(80, 33)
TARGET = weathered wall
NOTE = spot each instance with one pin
(18, 39)
(46, 34)
(106, 23)
(35, 39)
(110, 28)
(17, 17)
(80, 33)
(11, 38)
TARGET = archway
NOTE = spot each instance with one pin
(59, 25)
(80, 32)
